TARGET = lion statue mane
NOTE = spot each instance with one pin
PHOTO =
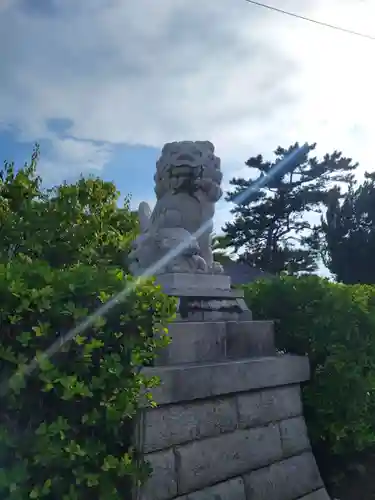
(177, 233)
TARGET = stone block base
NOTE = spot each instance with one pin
(201, 342)
(227, 428)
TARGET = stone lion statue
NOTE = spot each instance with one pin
(178, 230)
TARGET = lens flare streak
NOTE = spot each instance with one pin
(285, 165)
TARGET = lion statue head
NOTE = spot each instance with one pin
(189, 166)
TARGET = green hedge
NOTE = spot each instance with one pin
(66, 429)
(335, 326)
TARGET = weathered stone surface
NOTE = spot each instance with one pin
(191, 317)
(190, 382)
(211, 305)
(247, 315)
(317, 495)
(214, 305)
(176, 424)
(204, 463)
(162, 484)
(222, 315)
(208, 293)
(194, 342)
(290, 479)
(193, 283)
(294, 438)
(271, 405)
(249, 338)
(230, 490)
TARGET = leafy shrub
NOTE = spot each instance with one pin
(66, 424)
(66, 428)
(335, 326)
(65, 224)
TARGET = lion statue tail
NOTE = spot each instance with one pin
(144, 216)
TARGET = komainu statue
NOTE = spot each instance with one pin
(187, 186)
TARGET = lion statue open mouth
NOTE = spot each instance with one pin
(187, 186)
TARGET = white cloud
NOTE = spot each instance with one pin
(140, 72)
(70, 157)
(148, 72)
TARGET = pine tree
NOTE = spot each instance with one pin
(346, 238)
(272, 230)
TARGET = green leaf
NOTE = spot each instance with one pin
(70, 413)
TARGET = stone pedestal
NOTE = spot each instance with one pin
(205, 297)
(193, 283)
(229, 423)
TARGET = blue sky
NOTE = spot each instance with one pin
(103, 84)
(138, 160)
